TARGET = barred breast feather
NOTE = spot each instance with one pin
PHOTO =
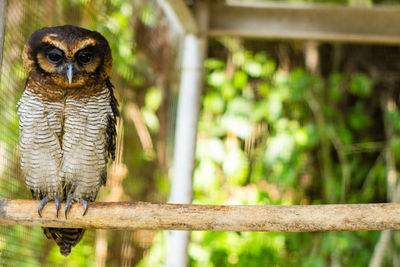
(41, 153)
(85, 141)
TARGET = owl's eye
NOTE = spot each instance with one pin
(85, 57)
(54, 56)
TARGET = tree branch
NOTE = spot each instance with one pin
(139, 215)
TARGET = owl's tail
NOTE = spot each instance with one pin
(66, 238)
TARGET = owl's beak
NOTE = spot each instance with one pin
(70, 73)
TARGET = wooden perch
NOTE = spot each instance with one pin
(139, 215)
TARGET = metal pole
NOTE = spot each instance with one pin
(191, 83)
(3, 11)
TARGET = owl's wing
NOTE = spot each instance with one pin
(40, 148)
(111, 131)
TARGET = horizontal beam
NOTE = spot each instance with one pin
(268, 218)
(324, 22)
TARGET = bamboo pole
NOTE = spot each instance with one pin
(267, 218)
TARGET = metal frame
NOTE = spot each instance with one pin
(324, 22)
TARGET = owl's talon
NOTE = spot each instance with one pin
(68, 206)
(69, 202)
(57, 202)
(43, 203)
(84, 204)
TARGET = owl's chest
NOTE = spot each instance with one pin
(74, 118)
(69, 118)
(89, 114)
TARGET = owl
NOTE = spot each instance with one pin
(67, 116)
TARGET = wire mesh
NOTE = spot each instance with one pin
(144, 51)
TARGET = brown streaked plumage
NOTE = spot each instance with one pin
(67, 120)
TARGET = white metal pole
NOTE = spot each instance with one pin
(187, 119)
(185, 143)
(194, 53)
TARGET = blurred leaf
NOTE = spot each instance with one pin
(204, 176)
(214, 103)
(253, 68)
(299, 82)
(240, 126)
(269, 68)
(395, 146)
(126, 9)
(259, 112)
(345, 135)
(358, 119)
(330, 111)
(214, 63)
(334, 82)
(236, 166)
(274, 107)
(239, 57)
(301, 137)
(264, 89)
(210, 149)
(361, 85)
(148, 15)
(240, 106)
(228, 91)
(280, 147)
(240, 79)
(153, 98)
(393, 117)
(150, 119)
(316, 261)
(217, 78)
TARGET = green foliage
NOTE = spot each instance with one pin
(262, 134)
(361, 85)
(153, 98)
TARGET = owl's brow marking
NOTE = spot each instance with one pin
(83, 44)
(51, 39)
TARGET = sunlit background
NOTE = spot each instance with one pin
(275, 128)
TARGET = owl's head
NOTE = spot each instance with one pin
(67, 56)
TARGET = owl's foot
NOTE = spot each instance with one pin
(46, 200)
(69, 202)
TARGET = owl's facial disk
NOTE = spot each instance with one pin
(67, 56)
(74, 69)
